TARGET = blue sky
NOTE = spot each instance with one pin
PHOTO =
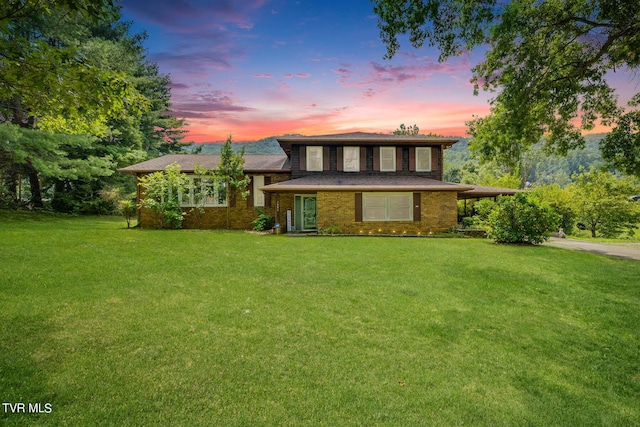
(259, 68)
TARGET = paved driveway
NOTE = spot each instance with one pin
(621, 250)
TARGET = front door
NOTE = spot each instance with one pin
(306, 212)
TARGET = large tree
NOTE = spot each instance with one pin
(71, 67)
(546, 62)
(601, 202)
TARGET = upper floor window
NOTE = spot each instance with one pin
(423, 159)
(314, 159)
(388, 159)
(351, 159)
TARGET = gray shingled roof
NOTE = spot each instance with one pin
(252, 163)
(363, 183)
(480, 191)
(363, 139)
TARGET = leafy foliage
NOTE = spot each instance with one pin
(559, 199)
(520, 219)
(601, 202)
(407, 130)
(229, 176)
(263, 222)
(162, 193)
(84, 101)
(546, 62)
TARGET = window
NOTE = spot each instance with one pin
(351, 159)
(387, 207)
(314, 159)
(388, 159)
(258, 196)
(423, 159)
(201, 192)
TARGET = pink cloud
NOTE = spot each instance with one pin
(263, 76)
(303, 75)
(206, 105)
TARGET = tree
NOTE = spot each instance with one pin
(601, 202)
(229, 175)
(621, 147)
(163, 191)
(76, 56)
(520, 219)
(407, 130)
(559, 199)
(546, 61)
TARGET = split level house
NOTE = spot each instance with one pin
(356, 183)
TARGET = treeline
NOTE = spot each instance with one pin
(538, 167)
(78, 99)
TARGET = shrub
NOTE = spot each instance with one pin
(331, 229)
(263, 222)
(468, 222)
(520, 219)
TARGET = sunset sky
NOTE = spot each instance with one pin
(260, 68)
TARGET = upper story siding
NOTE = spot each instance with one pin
(369, 160)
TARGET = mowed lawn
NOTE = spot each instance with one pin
(111, 326)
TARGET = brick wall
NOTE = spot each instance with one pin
(240, 215)
(438, 214)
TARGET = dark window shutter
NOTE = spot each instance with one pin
(358, 207)
(412, 159)
(267, 196)
(250, 198)
(325, 158)
(340, 156)
(376, 158)
(363, 159)
(303, 157)
(416, 207)
(398, 159)
(434, 159)
(232, 200)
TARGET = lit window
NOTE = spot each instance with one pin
(314, 159)
(258, 196)
(351, 159)
(388, 159)
(387, 207)
(201, 192)
(423, 159)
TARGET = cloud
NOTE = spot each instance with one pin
(303, 75)
(195, 14)
(415, 69)
(206, 105)
(263, 76)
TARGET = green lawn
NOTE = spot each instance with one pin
(136, 327)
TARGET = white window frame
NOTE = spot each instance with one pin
(392, 150)
(423, 154)
(213, 200)
(351, 161)
(258, 195)
(387, 199)
(314, 158)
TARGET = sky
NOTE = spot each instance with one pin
(259, 68)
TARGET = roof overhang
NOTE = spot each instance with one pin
(480, 191)
(312, 184)
(364, 139)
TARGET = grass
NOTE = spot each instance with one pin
(138, 327)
